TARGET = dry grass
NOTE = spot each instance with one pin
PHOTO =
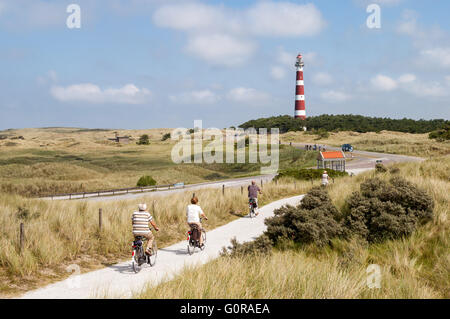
(59, 233)
(385, 142)
(414, 267)
(66, 160)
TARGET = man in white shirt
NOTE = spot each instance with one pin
(193, 214)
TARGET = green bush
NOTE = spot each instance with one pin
(261, 246)
(146, 181)
(442, 134)
(307, 174)
(143, 140)
(382, 210)
(315, 220)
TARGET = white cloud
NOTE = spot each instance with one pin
(189, 16)
(195, 97)
(322, 78)
(409, 83)
(247, 95)
(406, 78)
(91, 93)
(335, 96)
(438, 56)
(222, 36)
(220, 49)
(384, 83)
(278, 72)
(284, 19)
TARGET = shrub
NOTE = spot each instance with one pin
(146, 181)
(380, 168)
(307, 174)
(315, 220)
(442, 134)
(261, 246)
(165, 137)
(382, 210)
(143, 140)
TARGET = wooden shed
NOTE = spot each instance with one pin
(334, 160)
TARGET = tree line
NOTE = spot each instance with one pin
(349, 122)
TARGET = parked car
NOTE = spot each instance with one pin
(347, 148)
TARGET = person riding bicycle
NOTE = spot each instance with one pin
(193, 214)
(253, 191)
(141, 219)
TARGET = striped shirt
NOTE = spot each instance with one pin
(140, 222)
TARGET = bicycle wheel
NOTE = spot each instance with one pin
(204, 239)
(252, 212)
(191, 247)
(152, 258)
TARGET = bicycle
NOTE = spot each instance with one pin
(192, 244)
(138, 255)
(252, 207)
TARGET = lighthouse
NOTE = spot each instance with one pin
(300, 111)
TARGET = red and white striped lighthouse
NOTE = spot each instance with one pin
(300, 111)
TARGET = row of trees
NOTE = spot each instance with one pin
(356, 123)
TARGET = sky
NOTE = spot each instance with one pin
(164, 63)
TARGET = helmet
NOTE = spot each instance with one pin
(142, 206)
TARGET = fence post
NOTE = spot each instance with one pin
(21, 237)
(242, 190)
(223, 189)
(100, 213)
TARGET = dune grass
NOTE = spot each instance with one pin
(413, 267)
(385, 142)
(59, 233)
(66, 160)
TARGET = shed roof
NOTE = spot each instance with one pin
(332, 155)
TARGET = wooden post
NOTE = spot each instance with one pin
(223, 189)
(193, 195)
(276, 181)
(295, 185)
(100, 213)
(242, 190)
(21, 238)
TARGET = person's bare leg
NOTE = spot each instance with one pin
(150, 238)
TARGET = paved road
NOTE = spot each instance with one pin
(228, 183)
(364, 160)
(119, 281)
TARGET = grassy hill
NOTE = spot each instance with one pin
(417, 266)
(62, 160)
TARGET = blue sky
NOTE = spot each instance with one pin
(155, 63)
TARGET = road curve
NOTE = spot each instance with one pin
(119, 280)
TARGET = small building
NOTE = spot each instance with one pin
(120, 139)
(334, 160)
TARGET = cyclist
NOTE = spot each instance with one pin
(253, 191)
(193, 214)
(140, 220)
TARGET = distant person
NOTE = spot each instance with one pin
(325, 178)
(141, 219)
(253, 191)
(193, 214)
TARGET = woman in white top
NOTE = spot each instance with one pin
(325, 178)
(193, 214)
